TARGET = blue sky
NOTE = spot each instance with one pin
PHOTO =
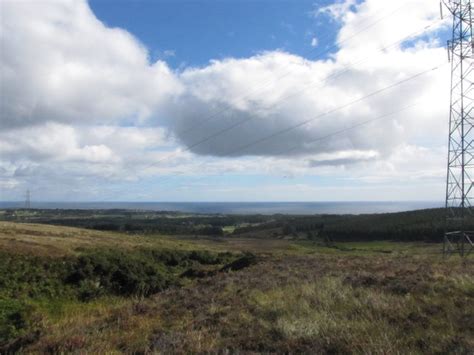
(105, 100)
(198, 31)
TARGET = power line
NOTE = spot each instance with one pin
(321, 53)
(335, 75)
(365, 97)
(329, 135)
(227, 129)
(332, 76)
(348, 104)
(303, 123)
(357, 125)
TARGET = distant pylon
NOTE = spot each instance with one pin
(28, 199)
(460, 174)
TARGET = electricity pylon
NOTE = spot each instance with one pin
(459, 185)
(28, 199)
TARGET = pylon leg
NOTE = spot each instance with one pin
(460, 170)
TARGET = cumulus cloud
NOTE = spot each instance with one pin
(59, 63)
(338, 10)
(257, 98)
(51, 142)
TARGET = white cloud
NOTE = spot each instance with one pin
(169, 53)
(261, 91)
(83, 104)
(339, 10)
(314, 42)
(59, 63)
(343, 158)
(274, 106)
(51, 142)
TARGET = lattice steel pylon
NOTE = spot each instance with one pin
(460, 174)
(28, 199)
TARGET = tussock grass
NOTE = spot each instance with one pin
(340, 318)
(56, 241)
(298, 297)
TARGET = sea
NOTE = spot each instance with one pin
(264, 208)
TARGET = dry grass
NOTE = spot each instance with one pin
(48, 240)
(297, 298)
(321, 303)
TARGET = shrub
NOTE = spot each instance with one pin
(241, 263)
(205, 257)
(117, 273)
(14, 319)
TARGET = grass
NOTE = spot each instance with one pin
(55, 241)
(338, 317)
(228, 229)
(330, 309)
(292, 296)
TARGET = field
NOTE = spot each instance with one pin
(66, 289)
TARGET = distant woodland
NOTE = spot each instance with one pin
(423, 225)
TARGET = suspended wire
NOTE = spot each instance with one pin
(319, 116)
(341, 131)
(323, 138)
(357, 125)
(365, 97)
(278, 78)
(335, 75)
(319, 54)
(241, 148)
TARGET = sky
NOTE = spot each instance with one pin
(223, 100)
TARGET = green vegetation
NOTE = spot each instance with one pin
(423, 225)
(267, 288)
(61, 266)
(174, 223)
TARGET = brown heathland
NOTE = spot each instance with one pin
(298, 297)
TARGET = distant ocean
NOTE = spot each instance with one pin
(266, 208)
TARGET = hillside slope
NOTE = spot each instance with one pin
(65, 289)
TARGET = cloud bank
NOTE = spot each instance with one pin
(81, 101)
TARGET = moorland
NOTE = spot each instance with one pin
(159, 282)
